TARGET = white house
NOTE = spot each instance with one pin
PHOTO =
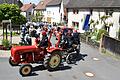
(56, 11)
(28, 10)
(82, 12)
(53, 11)
(41, 9)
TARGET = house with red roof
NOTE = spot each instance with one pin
(52, 11)
(28, 11)
(41, 9)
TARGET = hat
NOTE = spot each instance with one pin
(75, 30)
(43, 33)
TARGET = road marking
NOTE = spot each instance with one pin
(96, 59)
(89, 74)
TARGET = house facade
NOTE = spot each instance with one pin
(41, 10)
(28, 11)
(94, 14)
(56, 11)
(53, 12)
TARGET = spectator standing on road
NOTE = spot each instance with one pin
(23, 30)
(30, 29)
(28, 39)
(38, 31)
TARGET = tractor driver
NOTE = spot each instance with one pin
(43, 44)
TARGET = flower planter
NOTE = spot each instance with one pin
(3, 48)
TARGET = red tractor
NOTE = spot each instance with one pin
(26, 55)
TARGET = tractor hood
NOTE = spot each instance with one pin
(23, 49)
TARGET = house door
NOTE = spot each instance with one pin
(49, 19)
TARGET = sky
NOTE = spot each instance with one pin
(32, 1)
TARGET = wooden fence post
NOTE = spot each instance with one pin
(101, 43)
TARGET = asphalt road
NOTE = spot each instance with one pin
(94, 67)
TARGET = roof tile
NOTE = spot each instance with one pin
(42, 4)
(93, 4)
(54, 2)
(25, 7)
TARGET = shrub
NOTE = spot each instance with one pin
(6, 43)
(100, 32)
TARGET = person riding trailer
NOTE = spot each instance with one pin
(68, 39)
(37, 39)
(76, 41)
(58, 36)
(76, 37)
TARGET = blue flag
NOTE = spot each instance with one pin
(86, 26)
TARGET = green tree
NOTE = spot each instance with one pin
(11, 11)
(106, 25)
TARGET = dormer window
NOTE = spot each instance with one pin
(42, 2)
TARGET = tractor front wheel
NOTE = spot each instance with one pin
(52, 61)
(25, 69)
(12, 63)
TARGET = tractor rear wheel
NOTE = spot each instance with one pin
(25, 70)
(52, 61)
(12, 63)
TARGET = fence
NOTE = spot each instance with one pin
(111, 44)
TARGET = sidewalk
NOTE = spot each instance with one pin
(4, 53)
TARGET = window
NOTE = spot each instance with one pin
(75, 11)
(29, 13)
(91, 12)
(75, 25)
(42, 2)
(109, 12)
(48, 12)
(106, 12)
